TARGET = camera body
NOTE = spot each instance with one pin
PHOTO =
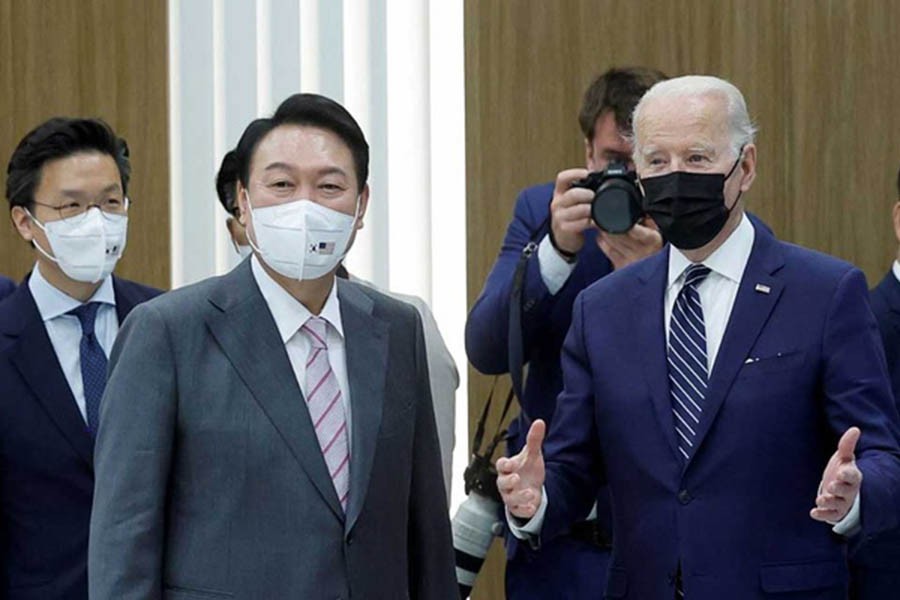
(617, 203)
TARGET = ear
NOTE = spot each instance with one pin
(896, 218)
(243, 208)
(363, 205)
(748, 167)
(588, 154)
(22, 222)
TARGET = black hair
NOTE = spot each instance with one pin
(57, 138)
(226, 179)
(315, 111)
(616, 90)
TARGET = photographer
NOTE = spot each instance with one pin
(570, 253)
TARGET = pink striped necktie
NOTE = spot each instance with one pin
(326, 408)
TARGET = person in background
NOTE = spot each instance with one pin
(572, 254)
(67, 187)
(875, 561)
(731, 390)
(269, 433)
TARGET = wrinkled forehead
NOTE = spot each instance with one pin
(679, 120)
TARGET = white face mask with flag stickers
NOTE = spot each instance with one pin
(301, 239)
(86, 247)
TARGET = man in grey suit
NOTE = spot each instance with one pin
(269, 434)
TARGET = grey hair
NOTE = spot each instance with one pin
(743, 131)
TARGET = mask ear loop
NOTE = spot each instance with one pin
(730, 173)
(249, 237)
(352, 229)
(34, 241)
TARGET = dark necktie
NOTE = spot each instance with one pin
(93, 363)
(688, 364)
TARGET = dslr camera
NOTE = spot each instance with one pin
(617, 203)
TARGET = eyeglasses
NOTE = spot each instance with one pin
(77, 211)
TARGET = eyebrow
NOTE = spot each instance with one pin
(113, 187)
(275, 166)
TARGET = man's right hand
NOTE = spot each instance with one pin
(520, 478)
(570, 211)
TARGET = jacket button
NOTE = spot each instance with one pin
(684, 497)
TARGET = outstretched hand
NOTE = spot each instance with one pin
(841, 481)
(520, 478)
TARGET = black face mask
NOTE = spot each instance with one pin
(689, 208)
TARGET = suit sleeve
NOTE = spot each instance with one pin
(132, 462)
(574, 467)
(857, 393)
(432, 573)
(487, 328)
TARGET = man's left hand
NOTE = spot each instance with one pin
(840, 481)
(622, 249)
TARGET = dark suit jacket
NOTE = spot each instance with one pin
(800, 362)
(210, 480)
(883, 551)
(46, 477)
(7, 287)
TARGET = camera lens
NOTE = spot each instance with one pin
(616, 206)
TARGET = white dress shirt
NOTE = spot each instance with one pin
(717, 295)
(290, 315)
(895, 268)
(64, 330)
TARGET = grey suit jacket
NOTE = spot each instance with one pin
(209, 479)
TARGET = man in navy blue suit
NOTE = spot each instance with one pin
(875, 562)
(578, 254)
(7, 286)
(67, 185)
(731, 390)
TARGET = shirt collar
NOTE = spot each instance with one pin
(53, 302)
(896, 269)
(729, 259)
(288, 312)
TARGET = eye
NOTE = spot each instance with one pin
(655, 161)
(331, 187)
(281, 184)
(697, 158)
(113, 202)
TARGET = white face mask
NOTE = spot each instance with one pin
(301, 239)
(86, 247)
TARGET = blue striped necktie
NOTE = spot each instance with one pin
(93, 363)
(688, 363)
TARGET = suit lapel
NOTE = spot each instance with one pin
(242, 325)
(36, 360)
(126, 299)
(366, 345)
(648, 316)
(752, 308)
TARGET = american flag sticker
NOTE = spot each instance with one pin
(324, 248)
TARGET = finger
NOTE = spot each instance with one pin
(524, 496)
(572, 217)
(535, 438)
(845, 491)
(849, 474)
(523, 511)
(832, 502)
(826, 516)
(508, 484)
(847, 444)
(505, 466)
(565, 179)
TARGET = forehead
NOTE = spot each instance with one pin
(302, 147)
(671, 122)
(81, 171)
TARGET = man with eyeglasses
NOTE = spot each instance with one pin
(67, 184)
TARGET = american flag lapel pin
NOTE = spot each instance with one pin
(762, 288)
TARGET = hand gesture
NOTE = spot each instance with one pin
(840, 481)
(521, 477)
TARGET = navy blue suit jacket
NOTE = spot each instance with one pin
(800, 362)
(883, 551)
(545, 317)
(7, 287)
(46, 454)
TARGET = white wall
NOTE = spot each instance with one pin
(398, 68)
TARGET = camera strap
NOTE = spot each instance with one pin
(515, 346)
